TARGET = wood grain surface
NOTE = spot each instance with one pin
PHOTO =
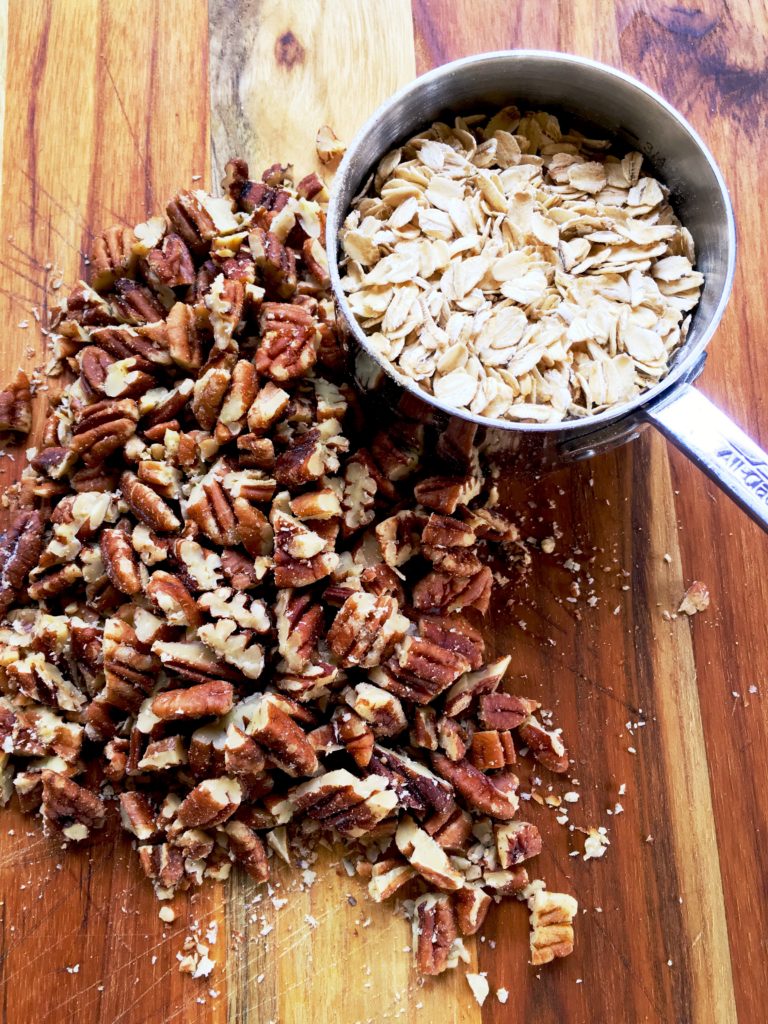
(105, 109)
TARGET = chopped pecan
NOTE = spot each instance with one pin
(444, 592)
(426, 856)
(445, 494)
(16, 405)
(243, 757)
(454, 633)
(169, 595)
(504, 711)
(417, 788)
(546, 745)
(474, 685)
(495, 796)
(103, 429)
(355, 735)
(299, 622)
(303, 462)
(491, 749)
(282, 738)
(516, 842)
(471, 905)
(112, 256)
(238, 649)
(41, 681)
(20, 547)
(147, 505)
(226, 603)
(208, 395)
(451, 829)
(237, 402)
(289, 339)
(240, 570)
(301, 557)
(129, 669)
(138, 816)
(351, 806)
(200, 701)
(452, 738)
(387, 876)
(424, 728)
(159, 755)
(163, 863)
(381, 710)
(198, 218)
(69, 808)
(135, 304)
(435, 937)
(210, 803)
(170, 265)
(275, 262)
(248, 850)
(552, 915)
(120, 561)
(365, 629)
(193, 661)
(267, 407)
(399, 537)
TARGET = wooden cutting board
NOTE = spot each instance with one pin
(107, 108)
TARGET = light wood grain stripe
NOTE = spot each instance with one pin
(681, 744)
(3, 67)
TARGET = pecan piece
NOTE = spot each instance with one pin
(387, 876)
(435, 936)
(120, 562)
(516, 842)
(546, 745)
(416, 786)
(148, 506)
(355, 735)
(103, 429)
(202, 701)
(444, 592)
(471, 905)
(445, 494)
(381, 710)
(505, 711)
(474, 685)
(20, 547)
(210, 803)
(451, 829)
(248, 850)
(170, 264)
(112, 256)
(282, 738)
(491, 749)
(138, 816)
(495, 796)
(275, 261)
(365, 629)
(340, 801)
(426, 856)
(164, 864)
(129, 669)
(16, 405)
(69, 808)
(169, 595)
(289, 340)
(552, 915)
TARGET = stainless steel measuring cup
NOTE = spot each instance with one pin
(631, 112)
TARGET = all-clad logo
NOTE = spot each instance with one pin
(753, 473)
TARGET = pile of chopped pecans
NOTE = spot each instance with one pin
(251, 629)
(518, 271)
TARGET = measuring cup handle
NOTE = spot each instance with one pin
(718, 446)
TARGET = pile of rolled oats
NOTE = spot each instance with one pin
(518, 271)
(248, 618)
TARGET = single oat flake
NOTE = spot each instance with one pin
(519, 271)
